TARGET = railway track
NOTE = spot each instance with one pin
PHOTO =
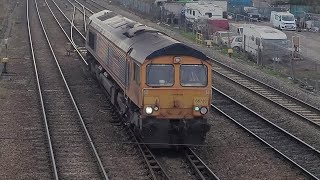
(202, 171)
(306, 111)
(97, 5)
(302, 155)
(199, 168)
(67, 35)
(79, 40)
(103, 146)
(84, 7)
(72, 152)
(94, 7)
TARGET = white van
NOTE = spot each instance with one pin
(283, 20)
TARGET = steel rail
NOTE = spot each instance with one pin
(73, 44)
(72, 98)
(52, 156)
(94, 5)
(154, 166)
(297, 147)
(97, 4)
(304, 110)
(84, 7)
(156, 170)
(72, 24)
(201, 169)
(69, 20)
(84, 19)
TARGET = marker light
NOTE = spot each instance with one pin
(156, 108)
(203, 110)
(149, 110)
(177, 60)
(196, 108)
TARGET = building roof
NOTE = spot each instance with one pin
(283, 13)
(267, 32)
(144, 42)
(203, 6)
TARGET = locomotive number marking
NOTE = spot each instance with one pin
(200, 100)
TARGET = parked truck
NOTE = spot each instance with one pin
(236, 3)
(252, 13)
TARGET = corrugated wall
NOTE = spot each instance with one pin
(113, 58)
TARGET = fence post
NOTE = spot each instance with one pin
(292, 68)
(5, 60)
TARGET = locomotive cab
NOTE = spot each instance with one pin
(177, 96)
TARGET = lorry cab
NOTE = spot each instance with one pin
(252, 13)
(283, 20)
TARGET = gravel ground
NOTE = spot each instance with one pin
(232, 153)
(174, 164)
(23, 148)
(285, 119)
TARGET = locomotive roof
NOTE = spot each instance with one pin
(144, 42)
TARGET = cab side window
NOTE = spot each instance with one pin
(136, 71)
(92, 40)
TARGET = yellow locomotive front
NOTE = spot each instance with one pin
(176, 96)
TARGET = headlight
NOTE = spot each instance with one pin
(196, 108)
(203, 110)
(149, 110)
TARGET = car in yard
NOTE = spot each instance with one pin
(222, 37)
(236, 43)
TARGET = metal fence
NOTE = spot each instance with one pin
(143, 7)
(300, 64)
(265, 12)
(153, 11)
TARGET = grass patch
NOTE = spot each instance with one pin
(312, 74)
(188, 35)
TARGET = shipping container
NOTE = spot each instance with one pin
(234, 3)
(299, 10)
(218, 25)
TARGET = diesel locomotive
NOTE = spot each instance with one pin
(160, 86)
